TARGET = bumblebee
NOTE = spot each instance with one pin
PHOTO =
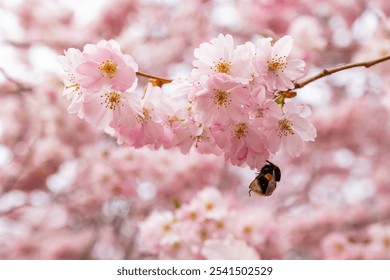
(265, 181)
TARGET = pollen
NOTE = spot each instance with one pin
(116, 190)
(219, 224)
(240, 130)
(108, 68)
(166, 227)
(112, 99)
(203, 234)
(222, 66)
(386, 242)
(200, 138)
(176, 246)
(75, 87)
(209, 206)
(193, 215)
(285, 128)
(173, 119)
(247, 229)
(105, 179)
(221, 98)
(277, 63)
(146, 115)
(339, 247)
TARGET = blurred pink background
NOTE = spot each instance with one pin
(69, 191)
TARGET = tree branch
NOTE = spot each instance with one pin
(326, 72)
(161, 80)
(329, 71)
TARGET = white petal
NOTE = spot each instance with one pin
(283, 46)
(225, 46)
(205, 53)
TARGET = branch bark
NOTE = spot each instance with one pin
(160, 79)
(323, 73)
(329, 71)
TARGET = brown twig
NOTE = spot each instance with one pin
(329, 71)
(323, 73)
(162, 80)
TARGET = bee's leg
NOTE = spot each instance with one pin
(250, 192)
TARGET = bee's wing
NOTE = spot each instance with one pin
(271, 185)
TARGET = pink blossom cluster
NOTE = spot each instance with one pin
(116, 173)
(211, 226)
(324, 234)
(374, 243)
(99, 80)
(228, 107)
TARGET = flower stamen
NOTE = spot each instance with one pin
(76, 88)
(200, 138)
(172, 120)
(108, 68)
(222, 66)
(221, 98)
(240, 130)
(285, 128)
(277, 63)
(112, 99)
(146, 115)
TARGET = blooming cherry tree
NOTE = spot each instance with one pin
(125, 135)
(273, 65)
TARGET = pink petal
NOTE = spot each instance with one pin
(305, 129)
(293, 144)
(274, 141)
(89, 68)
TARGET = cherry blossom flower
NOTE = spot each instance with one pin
(98, 84)
(273, 65)
(251, 228)
(221, 102)
(156, 226)
(379, 247)
(259, 104)
(72, 89)
(289, 128)
(105, 64)
(71, 58)
(243, 143)
(220, 56)
(337, 246)
(204, 142)
(110, 107)
(211, 203)
(176, 243)
(177, 120)
(148, 127)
